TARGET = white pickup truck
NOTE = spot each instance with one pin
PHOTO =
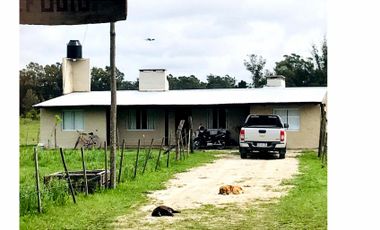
(263, 133)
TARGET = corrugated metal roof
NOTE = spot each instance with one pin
(192, 97)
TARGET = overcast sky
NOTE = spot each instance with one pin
(191, 37)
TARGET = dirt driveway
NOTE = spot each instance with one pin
(260, 179)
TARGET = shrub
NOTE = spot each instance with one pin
(55, 193)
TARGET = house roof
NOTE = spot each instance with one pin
(192, 97)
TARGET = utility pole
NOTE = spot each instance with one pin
(113, 108)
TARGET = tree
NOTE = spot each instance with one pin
(214, 82)
(242, 84)
(38, 83)
(255, 65)
(184, 82)
(297, 71)
(50, 82)
(130, 85)
(28, 81)
(29, 100)
(320, 59)
(100, 78)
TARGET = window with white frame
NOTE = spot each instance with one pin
(141, 119)
(72, 120)
(290, 116)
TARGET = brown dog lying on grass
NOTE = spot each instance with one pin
(228, 189)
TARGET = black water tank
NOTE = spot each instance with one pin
(74, 49)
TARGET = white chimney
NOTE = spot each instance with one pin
(153, 80)
(276, 81)
(76, 75)
(75, 70)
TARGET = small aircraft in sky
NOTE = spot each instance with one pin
(150, 39)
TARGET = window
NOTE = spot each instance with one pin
(72, 120)
(216, 119)
(290, 116)
(263, 121)
(141, 119)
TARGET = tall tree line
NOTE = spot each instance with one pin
(40, 83)
(298, 71)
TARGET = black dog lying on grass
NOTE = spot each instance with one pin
(164, 211)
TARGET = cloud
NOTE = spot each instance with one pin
(191, 37)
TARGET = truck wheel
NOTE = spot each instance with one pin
(243, 153)
(282, 154)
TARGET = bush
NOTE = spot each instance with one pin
(54, 194)
(26, 121)
(33, 114)
(28, 200)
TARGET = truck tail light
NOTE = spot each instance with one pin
(242, 135)
(282, 135)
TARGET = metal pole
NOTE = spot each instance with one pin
(67, 176)
(113, 109)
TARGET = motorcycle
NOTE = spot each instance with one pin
(214, 138)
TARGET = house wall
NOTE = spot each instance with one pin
(308, 134)
(132, 136)
(94, 121)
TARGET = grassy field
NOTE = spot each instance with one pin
(98, 210)
(29, 131)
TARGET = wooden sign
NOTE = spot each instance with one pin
(71, 12)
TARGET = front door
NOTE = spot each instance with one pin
(182, 114)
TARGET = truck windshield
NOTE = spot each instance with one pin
(263, 121)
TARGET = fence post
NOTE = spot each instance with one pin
(68, 176)
(189, 143)
(322, 130)
(27, 134)
(147, 156)
(168, 159)
(159, 153)
(181, 153)
(105, 164)
(84, 172)
(121, 161)
(177, 138)
(38, 136)
(190, 134)
(37, 180)
(137, 159)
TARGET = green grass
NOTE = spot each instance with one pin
(29, 131)
(98, 210)
(304, 207)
